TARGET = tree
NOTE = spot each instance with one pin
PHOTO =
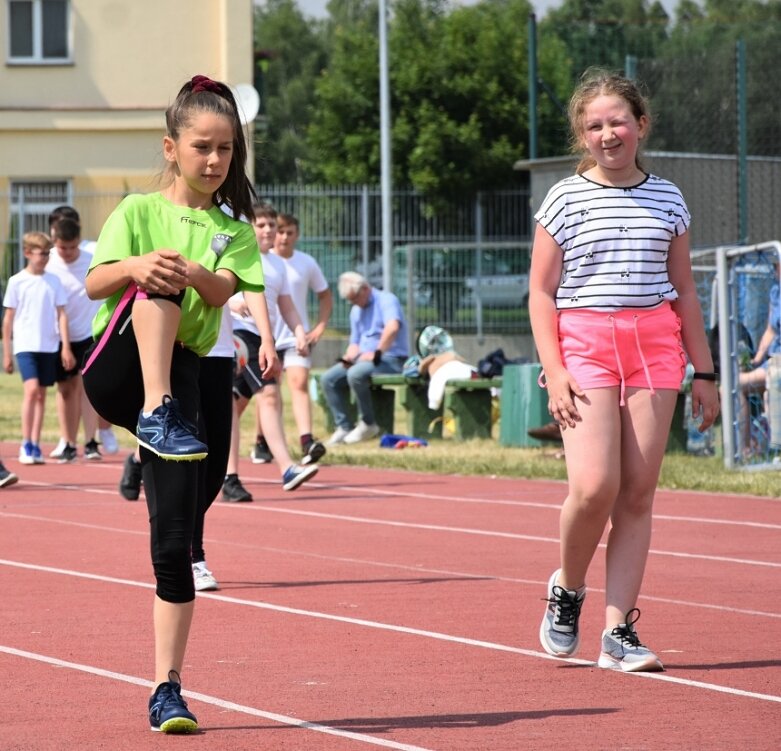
(291, 56)
(459, 96)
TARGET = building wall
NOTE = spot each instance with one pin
(98, 120)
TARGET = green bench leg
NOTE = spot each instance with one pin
(472, 410)
(384, 401)
(419, 416)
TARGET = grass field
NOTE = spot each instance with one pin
(474, 457)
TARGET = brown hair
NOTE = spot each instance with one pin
(201, 94)
(597, 82)
(283, 218)
(65, 229)
(265, 210)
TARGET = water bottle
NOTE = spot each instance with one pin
(774, 400)
(700, 444)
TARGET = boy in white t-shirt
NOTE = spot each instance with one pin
(70, 264)
(34, 324)
(303, 274)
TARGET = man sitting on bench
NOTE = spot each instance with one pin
(378, 344)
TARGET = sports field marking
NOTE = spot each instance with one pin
(494, 646)
(216, 702)
(368, 491)
(390, 564)
(493, 533)
(257, 507)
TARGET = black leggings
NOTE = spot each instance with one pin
(114, 385)
(215, 383)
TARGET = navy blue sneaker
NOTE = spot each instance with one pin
(167, 433)
(295, 475)
(168, 712)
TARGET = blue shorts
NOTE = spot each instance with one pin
(38, 365)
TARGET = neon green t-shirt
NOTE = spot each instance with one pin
(144, 223)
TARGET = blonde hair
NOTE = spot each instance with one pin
(38, 240)
(350, 283)
(597, 82)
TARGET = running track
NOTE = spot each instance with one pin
(375, 609)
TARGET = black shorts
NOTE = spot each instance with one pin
(79, 350)
(250, 380)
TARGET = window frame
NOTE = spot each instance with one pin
(37, 57)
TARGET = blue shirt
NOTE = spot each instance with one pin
(366, 324)
(774, 320)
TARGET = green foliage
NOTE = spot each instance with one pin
(293, 57)
(459, 84)
(459, 98)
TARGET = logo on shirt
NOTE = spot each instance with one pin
(220, 243)
(190, 220)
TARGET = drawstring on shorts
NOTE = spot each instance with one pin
(612, 320)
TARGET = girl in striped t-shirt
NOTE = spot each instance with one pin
(614, 312)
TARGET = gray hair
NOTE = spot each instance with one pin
(350, 283)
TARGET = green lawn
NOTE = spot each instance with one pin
(474, 457)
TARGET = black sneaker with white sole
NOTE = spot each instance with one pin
(261, 454)
(313, 452)
(233, 491)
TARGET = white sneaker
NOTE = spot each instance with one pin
(362, 432)
(203, 578)
(57, 451)
(108, 440)
(338, 436)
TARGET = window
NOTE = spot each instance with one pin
(31, 203)
(38, 31)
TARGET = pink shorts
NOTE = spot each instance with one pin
(633, 347)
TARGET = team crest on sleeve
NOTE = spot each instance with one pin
(220, 243)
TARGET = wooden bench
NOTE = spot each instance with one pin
(469, 400)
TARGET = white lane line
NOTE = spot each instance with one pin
(554, 507)
(439, 636)
(256, 507)
(216, 702)
(494, 533)
(389, 564)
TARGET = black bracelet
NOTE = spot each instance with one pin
(377, 356)
(703, 376)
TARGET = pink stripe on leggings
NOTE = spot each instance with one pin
(124, 301)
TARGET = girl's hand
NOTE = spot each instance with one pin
(8, 364)
(705, 402)
(562, 388)
(162, 272)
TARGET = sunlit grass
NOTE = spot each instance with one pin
(474, 457)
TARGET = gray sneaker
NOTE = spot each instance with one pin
(559, 628)
(622, 650)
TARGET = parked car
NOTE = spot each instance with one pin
(497, 291)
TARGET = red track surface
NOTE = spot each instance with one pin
(381, 609)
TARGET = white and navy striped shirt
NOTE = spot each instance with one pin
(615, 241)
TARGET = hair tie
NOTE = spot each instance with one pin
(204, 83)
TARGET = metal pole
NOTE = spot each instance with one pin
(365, 228)
(725, 360)
(742, 142)
(532, 86)
(385, 153)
